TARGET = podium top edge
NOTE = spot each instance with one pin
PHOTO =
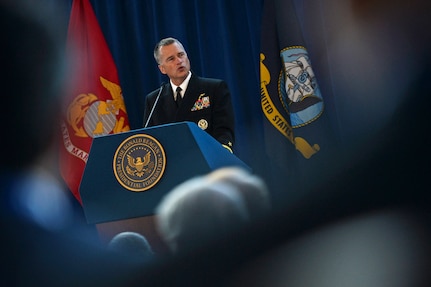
(187, 123)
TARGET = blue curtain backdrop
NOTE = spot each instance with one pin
(222, 39)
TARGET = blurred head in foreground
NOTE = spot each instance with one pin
(252, 188)
(210, 207)
(33, 64)
(196, 211)
(131, 244)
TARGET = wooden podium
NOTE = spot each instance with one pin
(127, 174)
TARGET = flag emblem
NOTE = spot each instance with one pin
(276, 117)
(90, 117)
(298, 89)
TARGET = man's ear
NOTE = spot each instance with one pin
(162, 69)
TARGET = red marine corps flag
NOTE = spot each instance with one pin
(94, 104)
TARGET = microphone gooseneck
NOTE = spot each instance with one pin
(154, 106)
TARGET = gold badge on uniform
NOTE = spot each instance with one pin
(203, 124)
(139, 162)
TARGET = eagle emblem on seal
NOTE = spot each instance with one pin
(139, 162)
(138, 166)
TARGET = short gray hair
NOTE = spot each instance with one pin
(162, 43)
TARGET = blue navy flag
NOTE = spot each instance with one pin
(293, 106)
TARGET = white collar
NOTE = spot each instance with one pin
(183, 85)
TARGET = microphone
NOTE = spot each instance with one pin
(155, 103)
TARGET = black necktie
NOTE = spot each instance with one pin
(178, 97)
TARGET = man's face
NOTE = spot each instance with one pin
(174, 63)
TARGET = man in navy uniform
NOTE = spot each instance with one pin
(187, 97)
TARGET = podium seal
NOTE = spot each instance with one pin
(139, 162)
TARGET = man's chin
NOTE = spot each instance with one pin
(183, 72)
